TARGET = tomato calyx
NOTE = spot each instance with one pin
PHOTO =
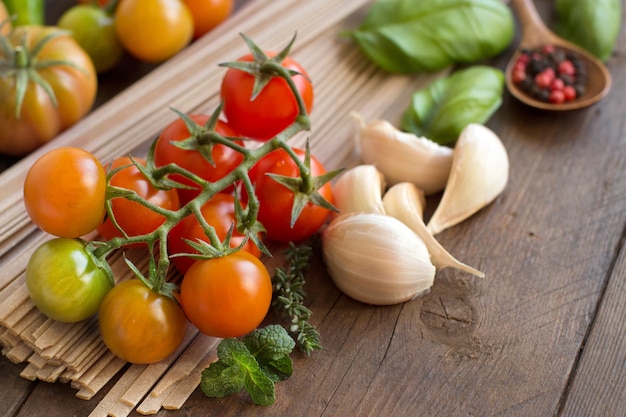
(19, 62)
(203, 138)
(305, 187)
(264, 68)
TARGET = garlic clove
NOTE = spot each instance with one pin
(359, 189)
(376, 259)
(405, 202)
(480, 171)
(403, 156)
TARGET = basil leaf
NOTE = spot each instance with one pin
(442, 109)
(591, 24)
(408, 36)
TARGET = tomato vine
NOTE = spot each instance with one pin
(139, 179)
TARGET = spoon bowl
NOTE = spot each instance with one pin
(536, 34)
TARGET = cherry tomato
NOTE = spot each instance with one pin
(208, 13)
(219, 212)
(227, 296)
(273, 110)
(225, 159)
(5, 21)
(61, 64)
(94, 30)
(134, 218)
(139, 325)
(276, 200)
(64, 192)
(153, 30)
(64, 282)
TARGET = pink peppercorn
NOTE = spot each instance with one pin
(557, 84)
(569, 92)
(557, 96)
(566, 67)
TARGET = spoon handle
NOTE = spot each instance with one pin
(534, 31)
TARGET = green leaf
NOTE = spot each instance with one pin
(237, 369)
(591, 24)
(407, 36)
(442, 109)
(269, 343)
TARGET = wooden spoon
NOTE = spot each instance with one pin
(536, 34)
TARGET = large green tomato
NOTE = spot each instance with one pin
(94, 30)
(64, 282)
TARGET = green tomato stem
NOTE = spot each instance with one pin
(160, 177)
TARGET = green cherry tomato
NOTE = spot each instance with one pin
(140, 326)
(64, 282)
(94, 30)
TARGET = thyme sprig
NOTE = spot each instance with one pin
(289, 295)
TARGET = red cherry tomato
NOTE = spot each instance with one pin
(225, 159)
(276, 200)
(132, 217)
(219, 212)
(273, 110)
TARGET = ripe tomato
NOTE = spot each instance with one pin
(208, 13)
(61, 64)
(276, 200)
(153, 30)
(139, 325)
(94, 30)
(4, 20)
(131, 216)
(219, 212)
(273, 110)
(64, 192)
(225, 159)
(227, 296)
(64, 282)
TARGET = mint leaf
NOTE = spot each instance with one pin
(269, 343)
(260, 387)
(271, 347)
(237, 369)
(253, 363)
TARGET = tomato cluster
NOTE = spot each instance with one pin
(202, 199)
(150, 30)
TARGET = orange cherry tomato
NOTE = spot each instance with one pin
(227, 296)
(207, 14)
(64, 192)
(153, 30)
(139, 325)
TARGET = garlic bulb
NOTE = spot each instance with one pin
(405, 202)
(359, 189)
(480, 171)
(402, 156)
(376, 259)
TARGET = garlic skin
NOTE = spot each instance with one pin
(480, 172)
(405, 202)
(376, 259)
(403, 156)
(359, 189)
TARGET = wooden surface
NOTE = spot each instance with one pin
(542, 335)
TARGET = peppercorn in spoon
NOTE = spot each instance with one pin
(550, 73)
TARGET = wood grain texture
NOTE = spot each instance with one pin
(541, 335)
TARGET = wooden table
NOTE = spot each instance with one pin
(542, 335)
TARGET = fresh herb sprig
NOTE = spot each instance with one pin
(254, 364)
(289, 297)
